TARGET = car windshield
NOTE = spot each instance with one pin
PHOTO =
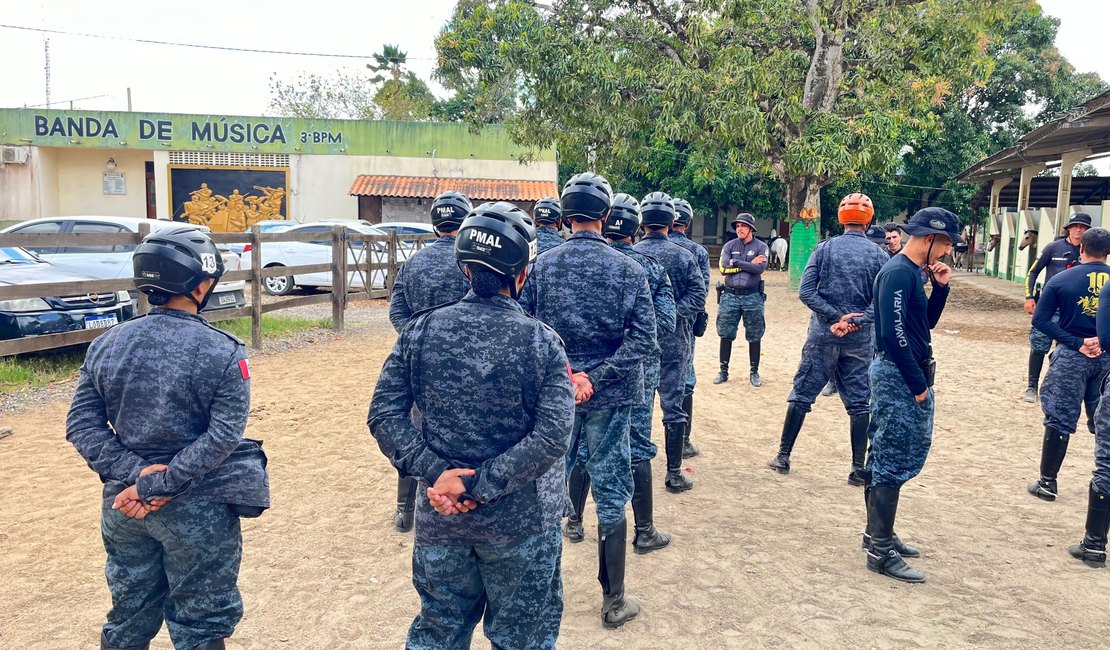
(13, 255)
(274, 227)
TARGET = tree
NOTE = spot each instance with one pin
(807, 91)
(338, 96)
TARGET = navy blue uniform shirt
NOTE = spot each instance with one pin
(1074, 293)
(1056, 256)
(838, 280)
(904, 316)
(430, 278)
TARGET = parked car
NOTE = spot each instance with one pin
(112, 262)
(407, 228)
(269, 225)
(318, 252)
(53, 314)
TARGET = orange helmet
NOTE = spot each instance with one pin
(856, 208)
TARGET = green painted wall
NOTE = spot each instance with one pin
(803, 239)
(168, 131)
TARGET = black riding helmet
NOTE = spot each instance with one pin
(587, 195)
(498, 236)
(683, 212)
(547, 211)
(448, 211)
(173, 262)
(624, 219)
(657, 209)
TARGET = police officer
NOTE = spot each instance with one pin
(176, 469)
(902, 377)
(1077, 368)
(620, 226)
(1092, 550)
(429, 278)
(496, 410)
(607, 321)
(657, 214)
(548, 215)
(1055, 257)
(684, 216)
(836, 286)
(743, 261)
(876, 235)
(893, 239)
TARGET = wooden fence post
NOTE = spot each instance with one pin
(256, 287)
(142, 305)
(338, 276)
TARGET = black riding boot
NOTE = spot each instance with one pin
(215, 644)
(726, 355)
(672, 444)
(578, 485)
(647, 537)
(882, 557)
(753, 358)
(404, 518)
(790, 428)
(688, 448)
(1053, 450)
(1092, 550)
(1036, 362)
(858, 434)
(104, 645)
(616, 608)
(905, 550)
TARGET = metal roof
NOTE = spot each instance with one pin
(476, 189)
(1085, 190)
(1083, 127)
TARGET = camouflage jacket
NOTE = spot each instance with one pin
(839, 279)
(547, 238)
(689, 290)
(700, 254)
(431, 277)
(662, 295)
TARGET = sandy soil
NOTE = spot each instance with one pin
(758, 560)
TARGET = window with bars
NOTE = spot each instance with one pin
(229, 159)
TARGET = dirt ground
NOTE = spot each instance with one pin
(758, 560)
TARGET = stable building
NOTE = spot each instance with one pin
(229, 172)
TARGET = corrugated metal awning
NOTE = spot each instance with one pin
(476, 189)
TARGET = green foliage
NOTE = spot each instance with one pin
(39, 369)
(272, 326)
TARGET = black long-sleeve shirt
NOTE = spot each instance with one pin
(1102, 320)
(1075, 294)
(904, 316)
(1057, 256)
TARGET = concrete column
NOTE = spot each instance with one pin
(1027, 174)
(1063, 195)
(990, 262)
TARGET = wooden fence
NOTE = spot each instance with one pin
(368, 260)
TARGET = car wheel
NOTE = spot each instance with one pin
(282, 285)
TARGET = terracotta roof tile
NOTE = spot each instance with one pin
(476, 189)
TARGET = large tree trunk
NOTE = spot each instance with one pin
(803, 205)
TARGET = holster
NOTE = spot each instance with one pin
(720, 287)
(929, 367)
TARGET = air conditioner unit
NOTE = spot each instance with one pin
(11, 155)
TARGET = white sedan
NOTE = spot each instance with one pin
(278, 254)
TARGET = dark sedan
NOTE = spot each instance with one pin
(53, 314)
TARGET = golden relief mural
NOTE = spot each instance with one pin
(233, 213)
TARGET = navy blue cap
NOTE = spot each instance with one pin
(935, 221)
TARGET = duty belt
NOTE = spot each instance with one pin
(740, 292)
(928, 366)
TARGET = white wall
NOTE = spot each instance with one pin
(81, 182)
(319, 184)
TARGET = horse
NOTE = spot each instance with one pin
(779, 248)
(993, 243)
(1030, 239)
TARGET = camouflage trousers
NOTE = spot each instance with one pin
(516, 587)
(1072, 380)
(605, 436)
(903, 428)
(846, 364)
(181, 565)
(691, 377)
(672, 391)
(639, 436)
(1040, 342)
(733, 309)
(1101, 476)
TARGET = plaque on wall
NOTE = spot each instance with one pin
(115, 183)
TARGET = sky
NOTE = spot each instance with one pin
(95, 73)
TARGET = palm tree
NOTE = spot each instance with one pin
(390, 58)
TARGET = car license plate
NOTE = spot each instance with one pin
(226, 299)
(100, 322)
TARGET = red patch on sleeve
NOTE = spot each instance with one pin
(245, 368)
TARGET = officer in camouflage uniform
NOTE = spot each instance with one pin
(1077, 368)
(548, 215)
(743, 261)
(836, 285)
(657, 214)
(1092, 550)
(684, 216)
(902, 378)
(497, 407)
(428, 279)
(176, 469)
(607, 321)
(1055, 257)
